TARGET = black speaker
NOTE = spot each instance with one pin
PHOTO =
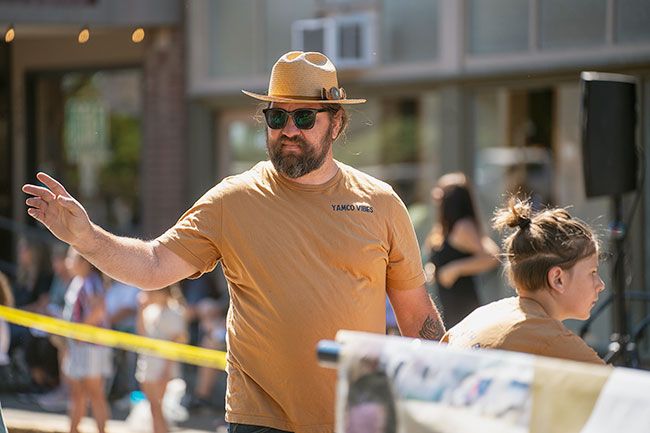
(608, 133)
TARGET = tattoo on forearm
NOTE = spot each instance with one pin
(432, 329)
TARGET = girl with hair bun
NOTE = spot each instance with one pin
(551, 260)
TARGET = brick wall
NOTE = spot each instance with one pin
(164, 156)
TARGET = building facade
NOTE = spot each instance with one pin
(93, 92)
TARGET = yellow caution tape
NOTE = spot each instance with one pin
(123, 340)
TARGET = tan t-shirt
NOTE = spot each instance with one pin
(302, 262)
(519, 325)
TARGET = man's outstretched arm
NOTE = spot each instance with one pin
(417, 315)
(144, 264)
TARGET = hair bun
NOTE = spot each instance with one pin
(516, 213)
(524, 222)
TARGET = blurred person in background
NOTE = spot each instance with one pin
(42, 358)
(42, 354)
(34, 276)
(7, 300)
(211, 314)
(32, 286)
(161, 316)
(60, 280)
(86, 365)
(309, 246)
(459, 250)
(121, 303)
(35, 361)
(206, 317)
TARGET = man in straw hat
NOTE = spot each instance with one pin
(308, 245)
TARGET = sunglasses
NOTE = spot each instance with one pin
(303, 118)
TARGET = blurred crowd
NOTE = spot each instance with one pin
(47, 280)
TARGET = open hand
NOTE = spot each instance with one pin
(57, 210)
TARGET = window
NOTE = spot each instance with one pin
(409, 34)
(516, 157)
(348, 40)
(247, 145)
(633, 21)
(279, 17)
(388, 149)
(497, 26)
(397, 140)
(312, 35)
(576, 23)
(86, 131)
(244, 141)
(231, 33)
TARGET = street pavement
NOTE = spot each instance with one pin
(23, 414)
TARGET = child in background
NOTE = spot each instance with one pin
(161, 316)
(60, 280)
(552, 262)
(86, 365)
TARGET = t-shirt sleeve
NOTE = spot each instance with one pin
(404, 269)
(197, 234)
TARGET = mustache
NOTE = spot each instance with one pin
(292, 140)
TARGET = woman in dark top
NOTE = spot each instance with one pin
(459, 249)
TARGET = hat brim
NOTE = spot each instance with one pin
(269, 98)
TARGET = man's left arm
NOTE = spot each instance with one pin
(417, 315)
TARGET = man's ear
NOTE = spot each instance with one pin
(556, 279)
(338, 122)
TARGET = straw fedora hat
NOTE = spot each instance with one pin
(304, 77)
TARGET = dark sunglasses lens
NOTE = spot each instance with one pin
(304, 119)
(276, 118)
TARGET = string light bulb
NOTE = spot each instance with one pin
(10, 34)
(138, 35)
(84, 35)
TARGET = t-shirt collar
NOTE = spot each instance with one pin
(306, 187)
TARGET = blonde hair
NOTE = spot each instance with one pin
(541, 241)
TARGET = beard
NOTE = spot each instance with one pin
(295, 165)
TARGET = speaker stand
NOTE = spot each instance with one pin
(621, 347)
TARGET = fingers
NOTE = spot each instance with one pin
(38, 191)
(37, 209)
(52, 184)
(37, 203)
(69, 203)
(37, 214)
